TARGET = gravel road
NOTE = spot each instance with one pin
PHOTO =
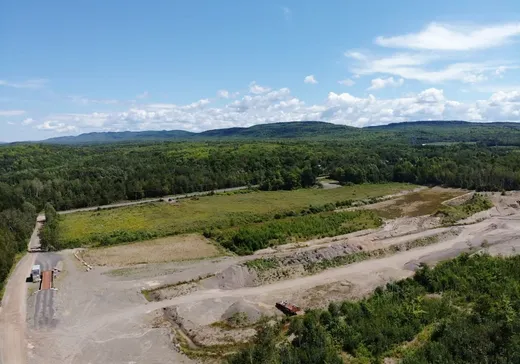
(148, 200)
(13, 340)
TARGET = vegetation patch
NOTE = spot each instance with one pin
(451, 214)
(262, 264)
(145, 222)
(247, 239)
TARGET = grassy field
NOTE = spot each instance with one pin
(170, 249)
(148, 221)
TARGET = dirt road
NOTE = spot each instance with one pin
(148, 200)
(13, 339)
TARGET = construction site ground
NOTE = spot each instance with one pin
(101, 315)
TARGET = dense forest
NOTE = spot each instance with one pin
(17, 220)
(79, 176)
(462, 311)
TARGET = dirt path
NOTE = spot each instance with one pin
(13, 339)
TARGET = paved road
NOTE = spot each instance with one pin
(13, 340)
(148, 200)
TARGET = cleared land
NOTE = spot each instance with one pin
(425, 202)
(201, 213)
(170, 249)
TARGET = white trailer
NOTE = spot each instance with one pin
(36, 273)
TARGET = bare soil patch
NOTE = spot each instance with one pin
(173, 248)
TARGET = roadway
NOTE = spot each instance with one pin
(13, 314)
(149, 200)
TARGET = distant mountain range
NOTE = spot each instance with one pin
(288, 130)
(285, 130)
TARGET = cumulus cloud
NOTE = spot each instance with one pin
(446, 37)
(281, 105)
(11, 112)
(223, 94)
(30, 84)
(347, 82)
(28, 121)
(254, 88)
(379, 83)
(310, 79)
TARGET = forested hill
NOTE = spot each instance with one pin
(412, 132)
(295, 129)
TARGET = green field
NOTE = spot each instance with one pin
(134, 223)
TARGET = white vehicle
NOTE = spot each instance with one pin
(35, 273)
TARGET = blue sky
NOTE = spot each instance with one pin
(69, 67)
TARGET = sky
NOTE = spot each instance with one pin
(71, 67)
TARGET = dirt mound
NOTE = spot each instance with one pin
(237, 276)
(314, 256)
(243, 313)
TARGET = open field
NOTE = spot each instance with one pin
(200, 213)
(169, 249)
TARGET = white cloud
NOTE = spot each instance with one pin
(445, 37)
(355, 55)
(28, 121)
(254, 88)
(500, 71)
(281, 105)
(417, 66)
(346, 82)
(378, 83)
(87, 101)
(310, 80)
(144, 95)
(223, 94)
(56, 126)
(11, 112)
(435, 54)
(30, 84)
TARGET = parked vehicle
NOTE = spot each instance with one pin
(288, 308)
(36, 273)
